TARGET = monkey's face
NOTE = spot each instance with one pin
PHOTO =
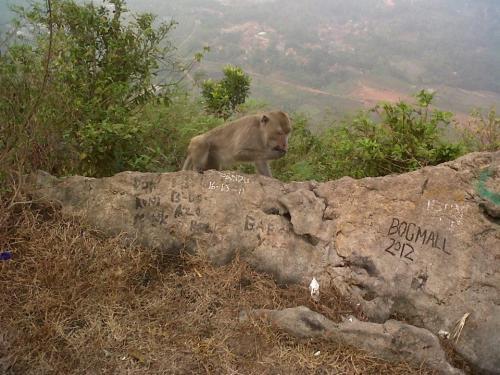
(279, 142)
(277, 128)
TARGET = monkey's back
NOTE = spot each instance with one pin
(234, 141)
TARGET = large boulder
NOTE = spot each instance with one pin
(393, 340)
(423, 245)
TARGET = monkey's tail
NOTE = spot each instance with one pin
(188, 164)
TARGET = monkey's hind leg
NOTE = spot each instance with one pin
(199, 153)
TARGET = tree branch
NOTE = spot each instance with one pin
(47, 63)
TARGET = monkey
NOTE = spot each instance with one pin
(255, 138)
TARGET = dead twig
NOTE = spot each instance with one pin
(459, 326)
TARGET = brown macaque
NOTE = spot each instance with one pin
(256, 139)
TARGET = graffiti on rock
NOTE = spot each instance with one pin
(406, 237)
(483, 190)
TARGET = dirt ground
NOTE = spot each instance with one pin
(74, 302)
(370, 96)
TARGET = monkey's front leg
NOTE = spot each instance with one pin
(263, 168)
(188, 164)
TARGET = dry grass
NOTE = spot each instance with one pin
(73, 302)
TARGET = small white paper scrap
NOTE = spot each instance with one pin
(314, 289)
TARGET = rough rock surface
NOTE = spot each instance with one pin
(424, 245)
(392, 340)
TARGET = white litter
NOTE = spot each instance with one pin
(444, 334)
(314, 289)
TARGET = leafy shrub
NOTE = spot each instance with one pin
(390, 138)
(301, 161)
(175, 125)
(222, 97)
(71, 97)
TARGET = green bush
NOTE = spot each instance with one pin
(82, 114)
(222, 97)
(390, 138)
(175, 125)
(301, 161)
(394, 138)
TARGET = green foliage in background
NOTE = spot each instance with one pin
(79, 115)
(391, 138)
(483, 131)
(174, 126)
(304, 150)
(222, 97)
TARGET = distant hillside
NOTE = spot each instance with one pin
(363, 51)
(339, 56)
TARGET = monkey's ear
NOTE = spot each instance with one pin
(264, 119)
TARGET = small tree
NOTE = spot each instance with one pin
(103, 66)
(222, 97)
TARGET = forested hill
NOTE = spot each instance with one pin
(338, 56)
(363, 51)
